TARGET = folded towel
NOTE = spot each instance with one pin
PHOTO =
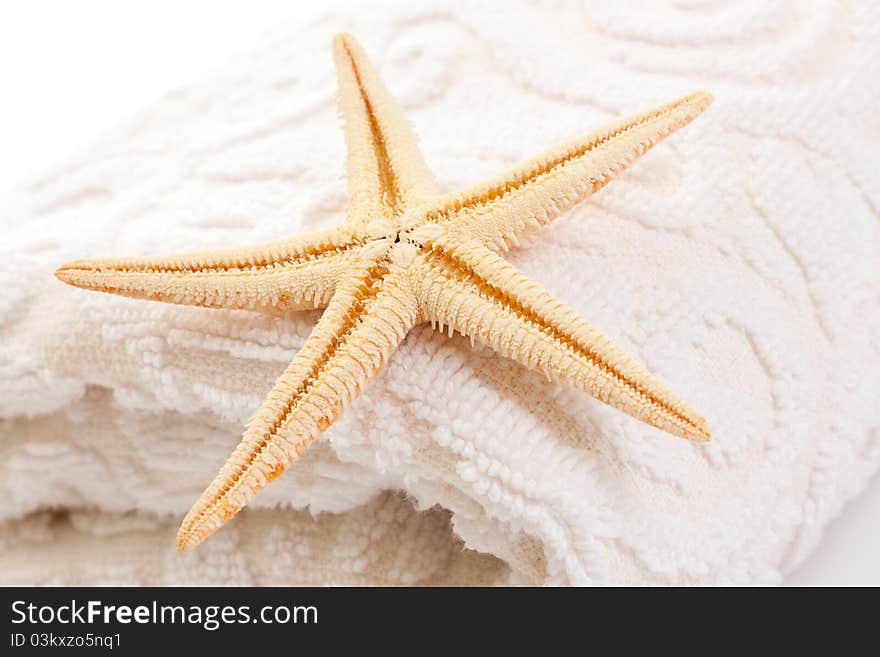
(737, 260)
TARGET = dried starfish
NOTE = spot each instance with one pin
(405, 255)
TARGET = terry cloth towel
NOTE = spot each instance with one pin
(737, 260)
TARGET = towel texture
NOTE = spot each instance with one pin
(737, 260)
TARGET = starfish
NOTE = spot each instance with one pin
(405, 255)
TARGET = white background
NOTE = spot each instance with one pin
(72, 70)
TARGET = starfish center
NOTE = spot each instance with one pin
(381, 228)
(403, 251)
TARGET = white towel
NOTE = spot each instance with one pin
(738, 260)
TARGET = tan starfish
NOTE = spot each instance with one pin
(405, 255)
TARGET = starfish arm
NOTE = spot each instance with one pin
(365, 321)
(472, 290)
(386, 170)
(535, 192)
(291, 274)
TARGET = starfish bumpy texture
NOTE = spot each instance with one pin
(406, 254)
